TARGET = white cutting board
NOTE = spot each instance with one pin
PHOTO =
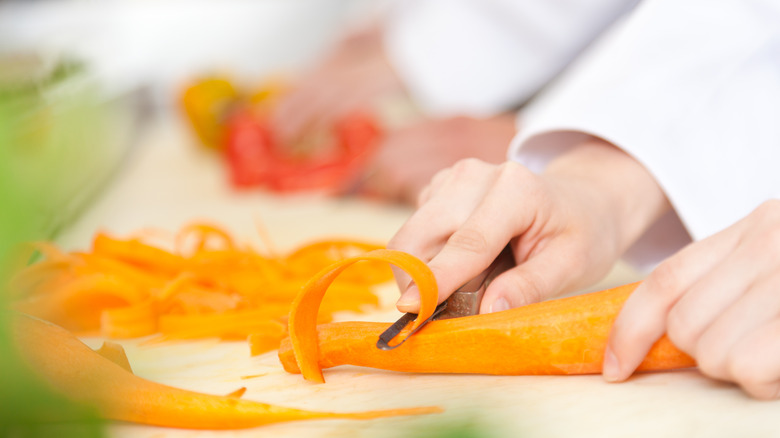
(170, 182)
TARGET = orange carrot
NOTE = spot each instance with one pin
(202, 232)
(138, 253)
(266, 340)
(94, 263)
(75, 370)
(566, 336)
(233, 325)
(133, 321)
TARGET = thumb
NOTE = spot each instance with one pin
(544, 275)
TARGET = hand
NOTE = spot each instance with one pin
(409, 157)
(567, 226)
(350, 78)
(719, 301)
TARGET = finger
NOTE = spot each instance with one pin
(642, 321)
(474, 246)
(545, 274)
(757, 307)
(754, 363)
(427, 230)
(423, 235)
(433, 186)
(708, 298)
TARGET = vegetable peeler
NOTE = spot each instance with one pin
(463, 302)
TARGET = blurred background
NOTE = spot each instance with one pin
(79, 83)
(81, 78)
(157, 44)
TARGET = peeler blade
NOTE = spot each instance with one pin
(463, 302)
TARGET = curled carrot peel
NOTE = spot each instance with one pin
(204, 284)
(203, 232)
(101, 380)
(564, 336)
(303, 316)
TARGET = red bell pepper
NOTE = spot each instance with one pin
(256, 159)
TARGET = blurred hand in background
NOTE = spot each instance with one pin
(356, 75)
(352, 76)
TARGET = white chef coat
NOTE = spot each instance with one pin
(481, 57)
(691, 89)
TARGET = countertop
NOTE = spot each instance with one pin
(168, 181)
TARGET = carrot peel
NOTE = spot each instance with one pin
(303, 313)
(203, 283)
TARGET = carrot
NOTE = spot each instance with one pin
(202, 232)
(565, 336)
(82, 374)
(137, 253)
(94, 263)
(129, 322)
(303, 315)
(126, 288)
(235, 325)
(266, 340)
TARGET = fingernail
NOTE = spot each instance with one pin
(611, 367)
(499, 305)
(409, 301)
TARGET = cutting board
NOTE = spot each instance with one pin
(169, 182)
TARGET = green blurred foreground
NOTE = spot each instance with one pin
(48, 124)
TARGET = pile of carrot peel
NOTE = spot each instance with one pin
(201, 283)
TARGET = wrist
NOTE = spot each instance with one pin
(619, 187)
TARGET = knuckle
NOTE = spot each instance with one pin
(763, 391)
(765, 241)
(525, 288)
(770, 240)
(514, 174)
(440, 177)
(423, 196)
(467, 166)
(710, 364)
(747, 370)
(681, 329)
(665, 280)
(769, 210)
(469, 240)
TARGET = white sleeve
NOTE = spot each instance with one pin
(691, 90)
(481, 57)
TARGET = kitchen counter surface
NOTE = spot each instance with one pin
(168, 181)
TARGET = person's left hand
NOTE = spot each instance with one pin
(410, 156)
(719, 301)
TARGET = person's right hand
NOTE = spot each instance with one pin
(351, 77)
(567, 226)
